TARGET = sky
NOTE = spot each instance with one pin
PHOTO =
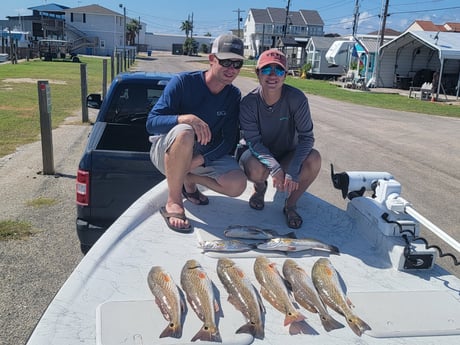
(219, 16)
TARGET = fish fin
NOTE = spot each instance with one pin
(216, 306)
(208, 334)
(357, 325)
(256, 330)
(349, 302)
(329, 323)
(293, 317)
(172, 330)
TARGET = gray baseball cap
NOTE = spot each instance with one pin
(228, 47)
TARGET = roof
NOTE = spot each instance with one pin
(322, 43)
(428, 25)
(387, 32)
(93, 9)
(450, 26)
(311, 17)
(446, 43)
(278, 15)
(49, 8)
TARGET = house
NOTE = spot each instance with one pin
(46, 21)
(96, 30)
(415, 55)
(274, 28)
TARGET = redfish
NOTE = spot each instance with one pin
(168, 299)
(243, 296)
(274, 290)
(306, 295)
(200, 294)
(326, 281)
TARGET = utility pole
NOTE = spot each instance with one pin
(239, 20)
(383, 20)
(286, 19)
(356, 18)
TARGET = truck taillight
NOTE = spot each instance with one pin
(82, 187)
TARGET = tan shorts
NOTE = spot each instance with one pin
(162, 143)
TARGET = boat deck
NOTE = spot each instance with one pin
(107, 300)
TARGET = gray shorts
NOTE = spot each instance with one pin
(161, 143)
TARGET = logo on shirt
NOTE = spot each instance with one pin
(221, 113)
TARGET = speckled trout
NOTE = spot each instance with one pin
(168, 299)
(200, 294)
(243, 296)
(225, 246)
(253, 233)
(306, 295)
(326, 281)
(295, 245)
(274, 290)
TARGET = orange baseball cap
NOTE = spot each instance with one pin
(272, 56)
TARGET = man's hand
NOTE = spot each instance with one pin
(201, 128)
(284, 182)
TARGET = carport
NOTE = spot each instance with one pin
(413, 57)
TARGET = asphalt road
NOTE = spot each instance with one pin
(422, 152)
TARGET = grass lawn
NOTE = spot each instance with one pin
(19, 110)
(372, 99)
(19, 113)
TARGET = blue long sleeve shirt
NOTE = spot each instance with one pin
(187, 93)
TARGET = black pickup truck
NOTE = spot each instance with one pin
(115, 169)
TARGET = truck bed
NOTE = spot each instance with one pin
(124, 137)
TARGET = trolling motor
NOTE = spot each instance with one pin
(398, 222)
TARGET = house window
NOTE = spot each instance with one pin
(102, 43)
(78, 17)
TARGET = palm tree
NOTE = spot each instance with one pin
(187, 26)
(132, 30)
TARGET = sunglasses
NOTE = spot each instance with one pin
(267, 70)
(237, 64)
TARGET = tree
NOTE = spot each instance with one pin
(187, 26)
(132, 30)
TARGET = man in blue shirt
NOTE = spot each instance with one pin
(194, 130)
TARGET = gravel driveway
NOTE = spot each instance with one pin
(32, 270)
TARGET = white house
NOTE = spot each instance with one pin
(96, 30)
(266, 28)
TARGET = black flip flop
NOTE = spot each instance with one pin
(196, 195)
(166, 215)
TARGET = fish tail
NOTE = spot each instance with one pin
(172, 330)
(208, 334)
(357, 325)
(329, 323)
(291, 234)
(334, 250)
(293, 317)
(255, 329)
